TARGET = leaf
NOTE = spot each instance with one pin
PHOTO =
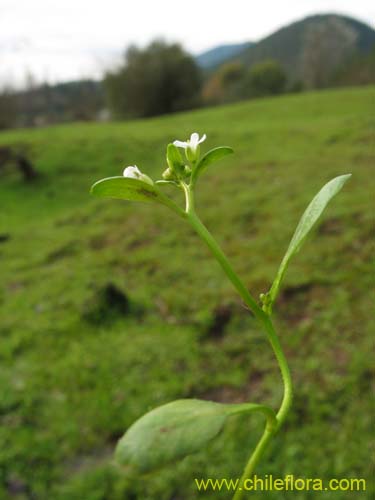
(211, 156)
(175, 430)
(306, 223)
(127, 188)
(174, 159)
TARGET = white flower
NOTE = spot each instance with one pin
(133, 172)
(191, 143)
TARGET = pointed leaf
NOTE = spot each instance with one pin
(213, 155)
(306, 223)
(175, 430)
(127, 188)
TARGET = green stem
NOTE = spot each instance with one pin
(267, 412)
(261, 316)
(219, 255)
(253, 461)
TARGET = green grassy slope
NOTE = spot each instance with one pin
(76, 370)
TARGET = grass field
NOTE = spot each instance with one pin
(80, 361)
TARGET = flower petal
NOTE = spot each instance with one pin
(180, 144)
(132, 171)
(194, 140)
(203, 138)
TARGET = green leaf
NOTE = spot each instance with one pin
(213, 155)
(174, 159)
(175, 430)
(306, 223)
(127, 188)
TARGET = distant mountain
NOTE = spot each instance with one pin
(316, 44)
(216, 56)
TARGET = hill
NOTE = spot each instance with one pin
(216, 56)
(62, 102)
(319, 51)
(110, 308)
(311, 49)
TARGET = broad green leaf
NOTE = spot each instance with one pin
(211, 156)
(175, 430)
(306, 223)
(127, 188)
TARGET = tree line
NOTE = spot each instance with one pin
(164, 78)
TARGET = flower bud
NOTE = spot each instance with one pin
(168, 175)
(187, 171)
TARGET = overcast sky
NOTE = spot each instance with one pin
(62, 40)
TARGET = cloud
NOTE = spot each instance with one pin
(75, 38)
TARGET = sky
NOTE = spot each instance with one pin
(55, 40)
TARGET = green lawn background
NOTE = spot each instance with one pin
(75, 371)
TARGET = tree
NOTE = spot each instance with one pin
(358, 70)
(265, 78)
(8, 108)
(159, 79)
(226, 84)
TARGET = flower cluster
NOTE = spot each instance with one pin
(176, 165)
